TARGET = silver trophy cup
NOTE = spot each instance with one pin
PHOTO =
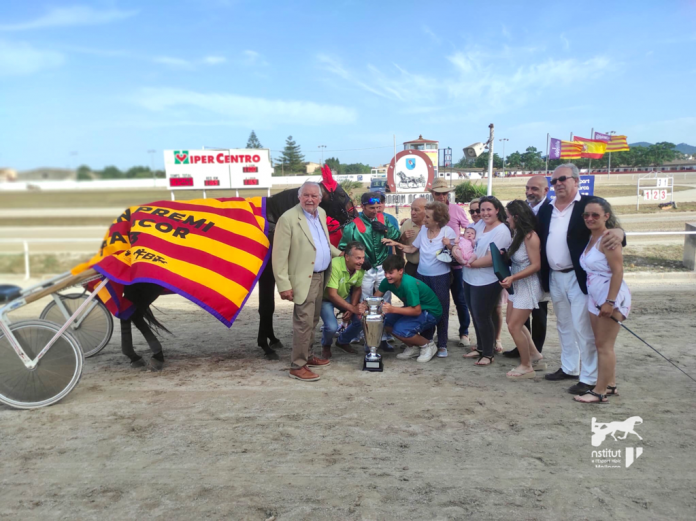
(373, 326)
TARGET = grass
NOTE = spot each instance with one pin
(42, 264)
(653, 208)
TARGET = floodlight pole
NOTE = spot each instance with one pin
(611, 133)
(490, 160)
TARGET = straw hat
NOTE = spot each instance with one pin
(440, 186)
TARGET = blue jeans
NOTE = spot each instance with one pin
(331, 326)
(460, 301)
(405, 327)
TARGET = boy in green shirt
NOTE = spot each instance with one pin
(414, 323)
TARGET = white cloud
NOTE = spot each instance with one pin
(434, 37)
(244, 110)
(19, 59)
(69, 17)
(253, 58)
(176, 63)
(214, 60)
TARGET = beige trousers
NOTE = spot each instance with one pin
(305, 318)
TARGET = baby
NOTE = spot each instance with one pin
(463, 252)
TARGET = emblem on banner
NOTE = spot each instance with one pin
(181, 157)
(411, 163)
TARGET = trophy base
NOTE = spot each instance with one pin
(373, 366)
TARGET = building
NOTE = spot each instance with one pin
(311, 167)
(8, 174)
(428, 146)
(47, 174)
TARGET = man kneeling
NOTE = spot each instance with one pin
(414, 323)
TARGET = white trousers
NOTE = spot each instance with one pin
(578, 349)
(371, 281)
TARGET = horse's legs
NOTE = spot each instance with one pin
(127, 344)
(157, 361)
(266, 310)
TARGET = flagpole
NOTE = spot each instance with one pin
(589, 167)
(547, 152)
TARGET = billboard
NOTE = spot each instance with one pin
(232, 169)
(410, 171)
(586, 186)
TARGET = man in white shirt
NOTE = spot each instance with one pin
(564, 236)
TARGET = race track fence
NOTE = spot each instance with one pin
(689, 245)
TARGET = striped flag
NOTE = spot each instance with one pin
(570, 150)
(592, 148)
(617, 144)
(211, 251)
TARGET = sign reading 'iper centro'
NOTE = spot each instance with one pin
(218, 169)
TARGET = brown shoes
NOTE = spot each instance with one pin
(317, 362)
(347, 348)
(326, 352)
(304, 374)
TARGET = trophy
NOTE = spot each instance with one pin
(373, 326)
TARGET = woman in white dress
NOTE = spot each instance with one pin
(608, 297)
(525, 256)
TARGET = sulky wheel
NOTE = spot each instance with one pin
(93, 331)
(54, 376)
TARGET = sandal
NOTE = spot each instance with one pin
(612, 391)
(512, 375)
(481, 357)
(471, 354)
(498, 346)
(601, 398)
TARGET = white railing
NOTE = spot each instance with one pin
(25, 244)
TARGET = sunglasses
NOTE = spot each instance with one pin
(587, 215)
(373, 200)
(478, 210)
(560, 178)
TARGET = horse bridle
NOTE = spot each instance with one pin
(342, 210)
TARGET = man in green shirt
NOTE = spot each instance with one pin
(369, 229)
(343, 291)
(414, 323)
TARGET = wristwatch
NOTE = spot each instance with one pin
(612, 302)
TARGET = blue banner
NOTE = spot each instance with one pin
(586, 186)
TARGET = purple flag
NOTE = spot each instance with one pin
(555, 149)
(602, 137)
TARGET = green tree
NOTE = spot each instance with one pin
(138, 172)
(111, 172)
(253, 141)
(532, 159)
(482, 161)
(291, 158)
(356, 168)
(84, 173)
(514, 160)
(466, 191)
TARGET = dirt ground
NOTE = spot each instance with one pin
(222, 433)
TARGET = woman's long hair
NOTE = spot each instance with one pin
(525, 222)
(612, 222)
(499, 208)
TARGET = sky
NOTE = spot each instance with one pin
(103, 82)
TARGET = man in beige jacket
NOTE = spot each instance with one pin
(302, 265)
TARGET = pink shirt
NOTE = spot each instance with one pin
(463, 251)
(458, 219)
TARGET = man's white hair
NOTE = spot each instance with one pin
(309, 183)
(574, 169)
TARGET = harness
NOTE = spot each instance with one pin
(360, 225)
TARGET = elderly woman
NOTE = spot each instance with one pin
(481, 287)
(434, 237)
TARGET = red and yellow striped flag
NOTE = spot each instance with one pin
(570, 150)
(617, 144)
(592, 148)
(211, 251)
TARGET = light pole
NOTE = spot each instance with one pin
(152, 164)
(322, 147)
(504, 140)
(491, 141)
(611, 133)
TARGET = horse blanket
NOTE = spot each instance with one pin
(211, 251)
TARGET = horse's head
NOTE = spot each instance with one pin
(334, 199)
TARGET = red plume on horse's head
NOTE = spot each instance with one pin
(329, 182)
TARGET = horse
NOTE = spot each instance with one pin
(336, 203)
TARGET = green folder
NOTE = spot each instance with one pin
(500, 267)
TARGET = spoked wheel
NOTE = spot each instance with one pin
(56, 374)
(95, 329)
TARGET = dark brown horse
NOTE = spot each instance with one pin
(335, 202)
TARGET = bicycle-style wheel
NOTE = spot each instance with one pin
(93, 332)
(56, 374)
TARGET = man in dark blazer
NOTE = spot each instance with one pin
(564, 236)
(537, 194)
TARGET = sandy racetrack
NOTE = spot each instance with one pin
(224, 434)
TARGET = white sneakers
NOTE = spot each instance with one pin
(464, 341)
(427, 352)
(409, 352)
